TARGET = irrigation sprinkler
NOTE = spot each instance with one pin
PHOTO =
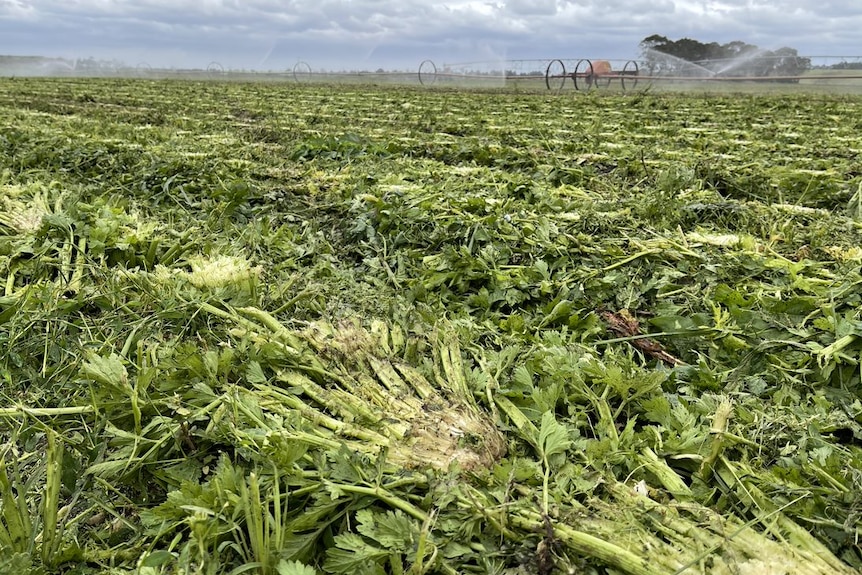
(588, 74)
(301, 72)
(427, 73)
(477, 73)
(215, 69)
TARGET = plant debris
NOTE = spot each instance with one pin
(627, 326)
(307, 329)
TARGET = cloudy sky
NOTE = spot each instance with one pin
(357, 34)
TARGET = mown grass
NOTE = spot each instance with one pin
(313, 328)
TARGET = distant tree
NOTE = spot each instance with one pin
(844, 65)
(737, 48)
(688, 49)
(788, 62)
(736, 58)
(650, 47)
(654, 42)
(714, 50)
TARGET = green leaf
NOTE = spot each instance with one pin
(522, 378)
(106, 370)
(157, 559)
(657, 409)
(254, 373)
(546, 398)
(561, 311)
(392, 530)
(352, 554)
(553, 437)
(294, 568)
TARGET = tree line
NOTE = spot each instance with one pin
(739, 59)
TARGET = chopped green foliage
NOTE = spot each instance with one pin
(297, 330)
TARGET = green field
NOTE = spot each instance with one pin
(306, 328)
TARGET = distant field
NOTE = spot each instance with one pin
(813, 81)
(301, 328)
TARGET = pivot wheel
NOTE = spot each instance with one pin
(584, 77)
(555, 75)
(629, 75)
(301, 72)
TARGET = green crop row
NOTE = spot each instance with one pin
(305, 329)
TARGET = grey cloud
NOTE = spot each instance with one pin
(372, 33)
(532, 7)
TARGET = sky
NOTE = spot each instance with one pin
(399, 34)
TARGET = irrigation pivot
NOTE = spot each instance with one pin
(215, 69)
(588, 74)
(301, 72)
(631, 70)
(555, 75)
(584, 70)
(427, 73)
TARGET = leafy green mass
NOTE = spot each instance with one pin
(307, 329)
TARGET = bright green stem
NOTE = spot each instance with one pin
(825, 354)
(453, 370)
(718, 428)
(587, 545)
(516, 416)
(20, 410)
(10, 283)
(630, 259)
(341, 403)
(686, 332)
(666, 476)
(175, 251)
(78, 271)
(771, 516)
(320, 419)
(546, 477)
(416, 380)
(275, 326)
(255, 521)
(387, 498)
(51, 535)
(232, 316)
(15, 527)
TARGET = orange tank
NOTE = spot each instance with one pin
(602, 67)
